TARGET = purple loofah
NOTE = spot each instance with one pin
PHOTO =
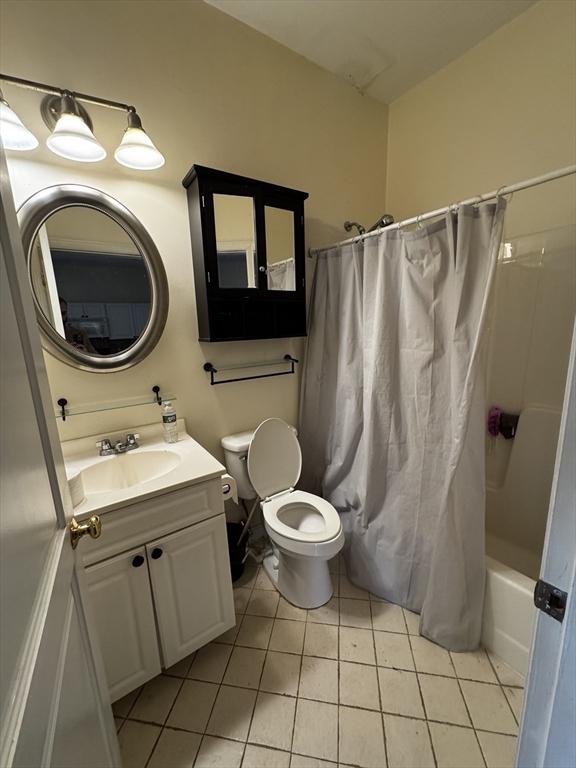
(494, 415)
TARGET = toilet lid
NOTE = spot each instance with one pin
(274, 458)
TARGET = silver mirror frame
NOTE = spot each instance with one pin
(34, 213)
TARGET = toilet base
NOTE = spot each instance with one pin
(303, 581)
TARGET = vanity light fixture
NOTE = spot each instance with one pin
(14, 133)
(71, 135)
(137, 149)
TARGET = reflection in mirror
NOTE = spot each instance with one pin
(235, 241)
(90, 281)
(280, 249)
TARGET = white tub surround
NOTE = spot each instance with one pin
(509, 614)
(530, 334)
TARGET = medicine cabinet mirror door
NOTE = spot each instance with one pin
(280, 231)
(235, 232)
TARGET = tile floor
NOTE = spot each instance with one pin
(349, 684)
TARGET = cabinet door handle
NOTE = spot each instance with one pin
(156, 553)
(138, 561)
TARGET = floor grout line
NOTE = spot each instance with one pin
(387, 762)
(260, 570)
(338, 663)
(468, 712)
(297, 696)
(168, 714)
(421, 695)
(321, 701)
(503, 691)
(255, 579)
(204, 733)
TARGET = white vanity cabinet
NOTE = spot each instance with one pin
(158, 582)
(122, 607)
(190, 574)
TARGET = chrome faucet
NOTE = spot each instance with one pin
(129, 444)
(107, 449)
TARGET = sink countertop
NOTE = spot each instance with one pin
(196, 465)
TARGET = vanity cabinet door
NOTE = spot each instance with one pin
(121, 601)
(192, 587)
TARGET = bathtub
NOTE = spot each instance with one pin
(509, 614)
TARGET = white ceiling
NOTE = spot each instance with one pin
(382, 47)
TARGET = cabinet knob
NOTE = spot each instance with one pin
(138, 561)
(156, 553)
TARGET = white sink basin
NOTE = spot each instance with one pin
(127, 469)
(103, 483)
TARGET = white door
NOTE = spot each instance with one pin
(548, 729)
(53, 703)
(121, 603)
(190, 574)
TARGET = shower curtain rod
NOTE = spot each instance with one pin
(552, 176)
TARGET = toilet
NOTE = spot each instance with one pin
(305, 530)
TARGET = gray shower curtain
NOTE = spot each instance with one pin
(392, 412)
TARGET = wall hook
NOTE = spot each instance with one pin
(156, 390)
(63, 403)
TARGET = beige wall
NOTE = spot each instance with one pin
(210, 91)
(503, 112)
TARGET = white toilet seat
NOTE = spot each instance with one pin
(305, 530)
(281, 506)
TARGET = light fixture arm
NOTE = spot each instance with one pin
(33, 85)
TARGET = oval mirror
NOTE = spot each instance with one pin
(98, 281)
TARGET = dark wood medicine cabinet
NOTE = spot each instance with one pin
(248, 253)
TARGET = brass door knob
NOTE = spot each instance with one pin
(92, 526)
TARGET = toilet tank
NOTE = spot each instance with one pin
(235, 453)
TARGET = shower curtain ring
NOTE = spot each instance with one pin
(419, 221)
(499, 194)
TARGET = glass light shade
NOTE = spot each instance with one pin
(73, 139)
(137, 151)
(14, 133)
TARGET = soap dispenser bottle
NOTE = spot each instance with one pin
(169, 422)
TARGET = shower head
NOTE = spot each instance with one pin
(349, 225)
(384, 221)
